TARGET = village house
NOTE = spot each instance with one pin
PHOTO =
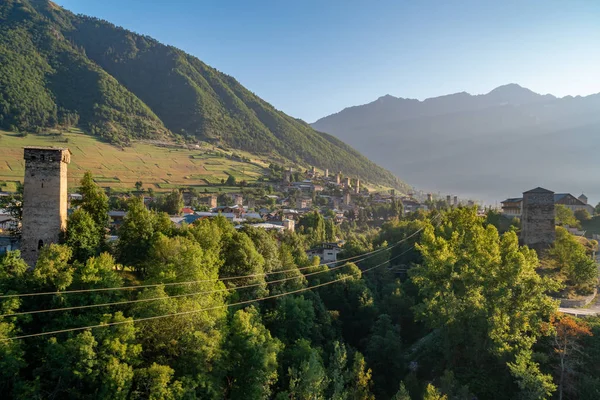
(411, 205)
(513, 207)
(8, 223)
(327, 252)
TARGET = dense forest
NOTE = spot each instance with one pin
(435, 305)
(60, 69)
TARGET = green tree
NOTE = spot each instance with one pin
(384, 355)
(309, 380)
(360, 378)
(251, 362)
(82, 235)
(337, 372)
(242, 259)
(574, 266)
(173, 203)
(565, 217)
(402, 393)
(137, 231)
(52, 270)
(533, 383)
(230, 180)
(156, 383)
(470, 282)
(582, 215)
(432, 393)
(94, 202)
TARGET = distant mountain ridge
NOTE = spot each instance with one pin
(59, 68)
(484, 145)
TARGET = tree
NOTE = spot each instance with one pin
(171, 203)
(230, 180)
(533, 383)
(384, 354)
(309, 380)
(136, 233)
(575, 267)
(94, 201)
(360, 378)
(402, 393)
(567, 334)
(582, 215)
(82, 235)
(138, 185)
(242, 259)
(251, 362)
(155, 383)
(565, 217)
(470, 281)
(432, 393)
(52, 270)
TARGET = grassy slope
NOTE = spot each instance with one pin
(157, 167)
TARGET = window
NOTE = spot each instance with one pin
(40, 244)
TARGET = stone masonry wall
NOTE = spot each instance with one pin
(44, 199)
(537, 220)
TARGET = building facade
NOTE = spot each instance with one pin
(537, 221)
(44, 199)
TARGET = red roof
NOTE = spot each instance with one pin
(187, 210)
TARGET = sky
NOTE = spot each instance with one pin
(312, 58)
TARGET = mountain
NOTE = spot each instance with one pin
(488, 147)
(64, 69)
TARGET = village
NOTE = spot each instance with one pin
(278, 203)
(40, 217)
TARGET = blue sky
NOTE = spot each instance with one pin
(313, 58)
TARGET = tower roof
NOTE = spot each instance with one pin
(47, 148)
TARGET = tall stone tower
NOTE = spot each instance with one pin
(44, 199)
(537, 219)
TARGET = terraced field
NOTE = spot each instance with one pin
(162, 168)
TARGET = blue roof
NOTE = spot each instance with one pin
(191, 218)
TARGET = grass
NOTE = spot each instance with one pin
(158, 167)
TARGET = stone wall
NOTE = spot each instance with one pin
(44, 199)
(537, 220)
(580, 302)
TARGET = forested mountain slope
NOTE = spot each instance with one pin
(61, 68)
(489, 146)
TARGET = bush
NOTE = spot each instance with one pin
(582, 215)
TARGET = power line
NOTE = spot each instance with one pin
(135, 287)
(103, 325)
(177, 296)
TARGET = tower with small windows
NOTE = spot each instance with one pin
(44, 199)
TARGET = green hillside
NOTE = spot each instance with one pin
(159, 168)
(61, 69)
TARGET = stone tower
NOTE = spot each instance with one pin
(44, 199)
(537, 219)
